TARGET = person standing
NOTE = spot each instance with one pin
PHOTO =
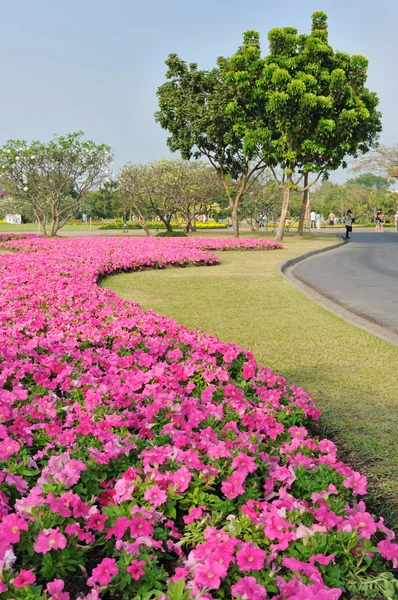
(313, 219)
(348, 224)
(331, 218)
(318, 220)
(379, 221)
(396, 220)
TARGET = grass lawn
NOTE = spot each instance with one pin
(351, 373)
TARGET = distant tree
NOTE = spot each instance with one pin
(200, 192)
(170, 188)
(383, 159)
(53, 178)
(133, 182)
(262, 198)
(104, 203)
(370, 180)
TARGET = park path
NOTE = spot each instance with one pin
(361, 277)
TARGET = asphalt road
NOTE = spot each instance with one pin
(361, 276)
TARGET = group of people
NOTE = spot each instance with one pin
(315, 219)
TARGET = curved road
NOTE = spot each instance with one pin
(361, 276)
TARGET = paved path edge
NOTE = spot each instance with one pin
(286, 269)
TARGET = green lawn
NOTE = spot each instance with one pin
(351, 373)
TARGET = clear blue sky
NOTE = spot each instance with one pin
(94, 65)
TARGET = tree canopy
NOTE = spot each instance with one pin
(370, 180)
(168, 189)
(52, 178)
(302, 109)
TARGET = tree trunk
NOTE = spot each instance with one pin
(285, 207)
(145, 227)
(304, 206)
(235, 220)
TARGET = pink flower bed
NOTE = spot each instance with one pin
(143, 460)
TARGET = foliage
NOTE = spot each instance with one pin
(104, 203)
(171, 234)
(383, 159)
(195, 108)
(169, 189)
(159, 225)
(307, 104)
(138, 454)
(370, 180)
(363, 201)
(52, 178)
(264, 197)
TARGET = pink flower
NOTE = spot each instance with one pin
(49, 539)
(209, 574)
(232, 487)
(155, 496)
(250, 557)
(322, 559)
(389, 551)
(316, 591)
(247, 587)
(8, 447)
(11, 526)
(357, 483)
(194, 514)
(24, 578)
(136, 570)
(103, 572)
(246, 464)
(55, 589)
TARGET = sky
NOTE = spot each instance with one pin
(95, 65)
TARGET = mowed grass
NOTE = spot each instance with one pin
(352, 374)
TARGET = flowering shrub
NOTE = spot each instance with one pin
(143, 460)
(161, 225)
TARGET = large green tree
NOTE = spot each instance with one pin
(195, 108)
(53, 178)
(309, 107)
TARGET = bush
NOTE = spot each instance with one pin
(160, 225)
(171, 234)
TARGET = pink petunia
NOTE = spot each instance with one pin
(357, 483)
(155, 496)
(55, 589)
(389, 551)
(8, 447)
(11, 526)
(135, 569)
(49, 539)
(250, 557)
(247, 587)
(103, 572)
(209, 574)
(24, 578)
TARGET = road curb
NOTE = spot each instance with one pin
(323, 300)
(294, 261)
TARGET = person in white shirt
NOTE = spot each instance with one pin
(313, 218)
(396, 220)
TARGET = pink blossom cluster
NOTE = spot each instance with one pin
(138, 455)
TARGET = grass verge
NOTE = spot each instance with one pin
(351, 373)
